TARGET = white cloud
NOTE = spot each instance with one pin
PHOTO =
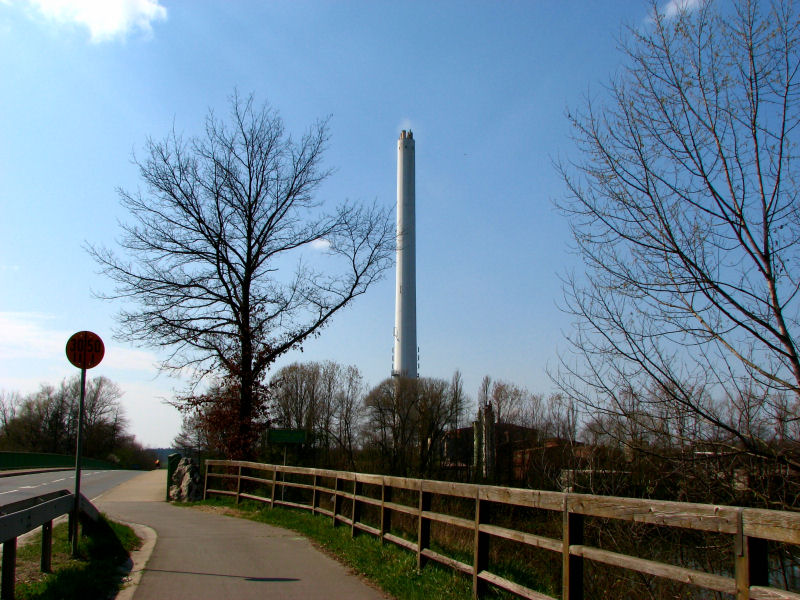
(105, 19)
(320, 244)
(674, 8)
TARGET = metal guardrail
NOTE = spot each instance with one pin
(18, 518)
(750, 528)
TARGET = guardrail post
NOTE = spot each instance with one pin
(423, 525)
(572, 566)
(480, 547)
(337, 499)
(238, 484)
(386, 513)
(47, 546)
(751, 562)
(8, 569)
(356, 515)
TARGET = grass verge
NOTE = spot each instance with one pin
(392, 569)
(94, 574)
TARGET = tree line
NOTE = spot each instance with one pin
(393, 427)
(47, 421)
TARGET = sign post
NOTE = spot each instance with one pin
(285, 437)
(85, 350)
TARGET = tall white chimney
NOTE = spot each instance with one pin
(405, 311)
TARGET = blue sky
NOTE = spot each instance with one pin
(484, 86)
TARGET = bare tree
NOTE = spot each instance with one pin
(296, 391)
(349, 413)
(10, 403)
(324, 399)
(684, 208)
(406, 420)
(458, 401)
(508, 400)
(208, 257)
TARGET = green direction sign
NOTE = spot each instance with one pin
(286, 436)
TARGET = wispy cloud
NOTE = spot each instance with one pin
(26, 335)
(117, 357)
(674, 8)
(30, 336)
(106, 20)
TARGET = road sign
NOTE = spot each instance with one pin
(286, 436)
(85, 349)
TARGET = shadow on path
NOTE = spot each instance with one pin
(243, 577)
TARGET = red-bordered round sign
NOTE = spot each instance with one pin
(85, 349)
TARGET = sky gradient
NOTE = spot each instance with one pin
(485, 87)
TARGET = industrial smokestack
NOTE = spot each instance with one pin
(405, 311)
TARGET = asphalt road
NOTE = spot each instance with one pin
(93, 483)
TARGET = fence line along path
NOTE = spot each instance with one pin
(751, 529)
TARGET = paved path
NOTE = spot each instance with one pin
(200, 555)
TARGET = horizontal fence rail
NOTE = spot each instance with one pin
(18, 518)
(751, 529)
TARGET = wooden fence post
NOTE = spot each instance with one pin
(480, 547)
(47, 546)
(386, 513)
(356, 514)
(272, 492)
(423, 525)
(8, 569)
(572, 566)
(205, 484)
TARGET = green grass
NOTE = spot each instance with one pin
(387, 566)
(94, 574)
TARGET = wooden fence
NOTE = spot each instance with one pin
(751, 529)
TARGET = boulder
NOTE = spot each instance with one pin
(186, 484)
